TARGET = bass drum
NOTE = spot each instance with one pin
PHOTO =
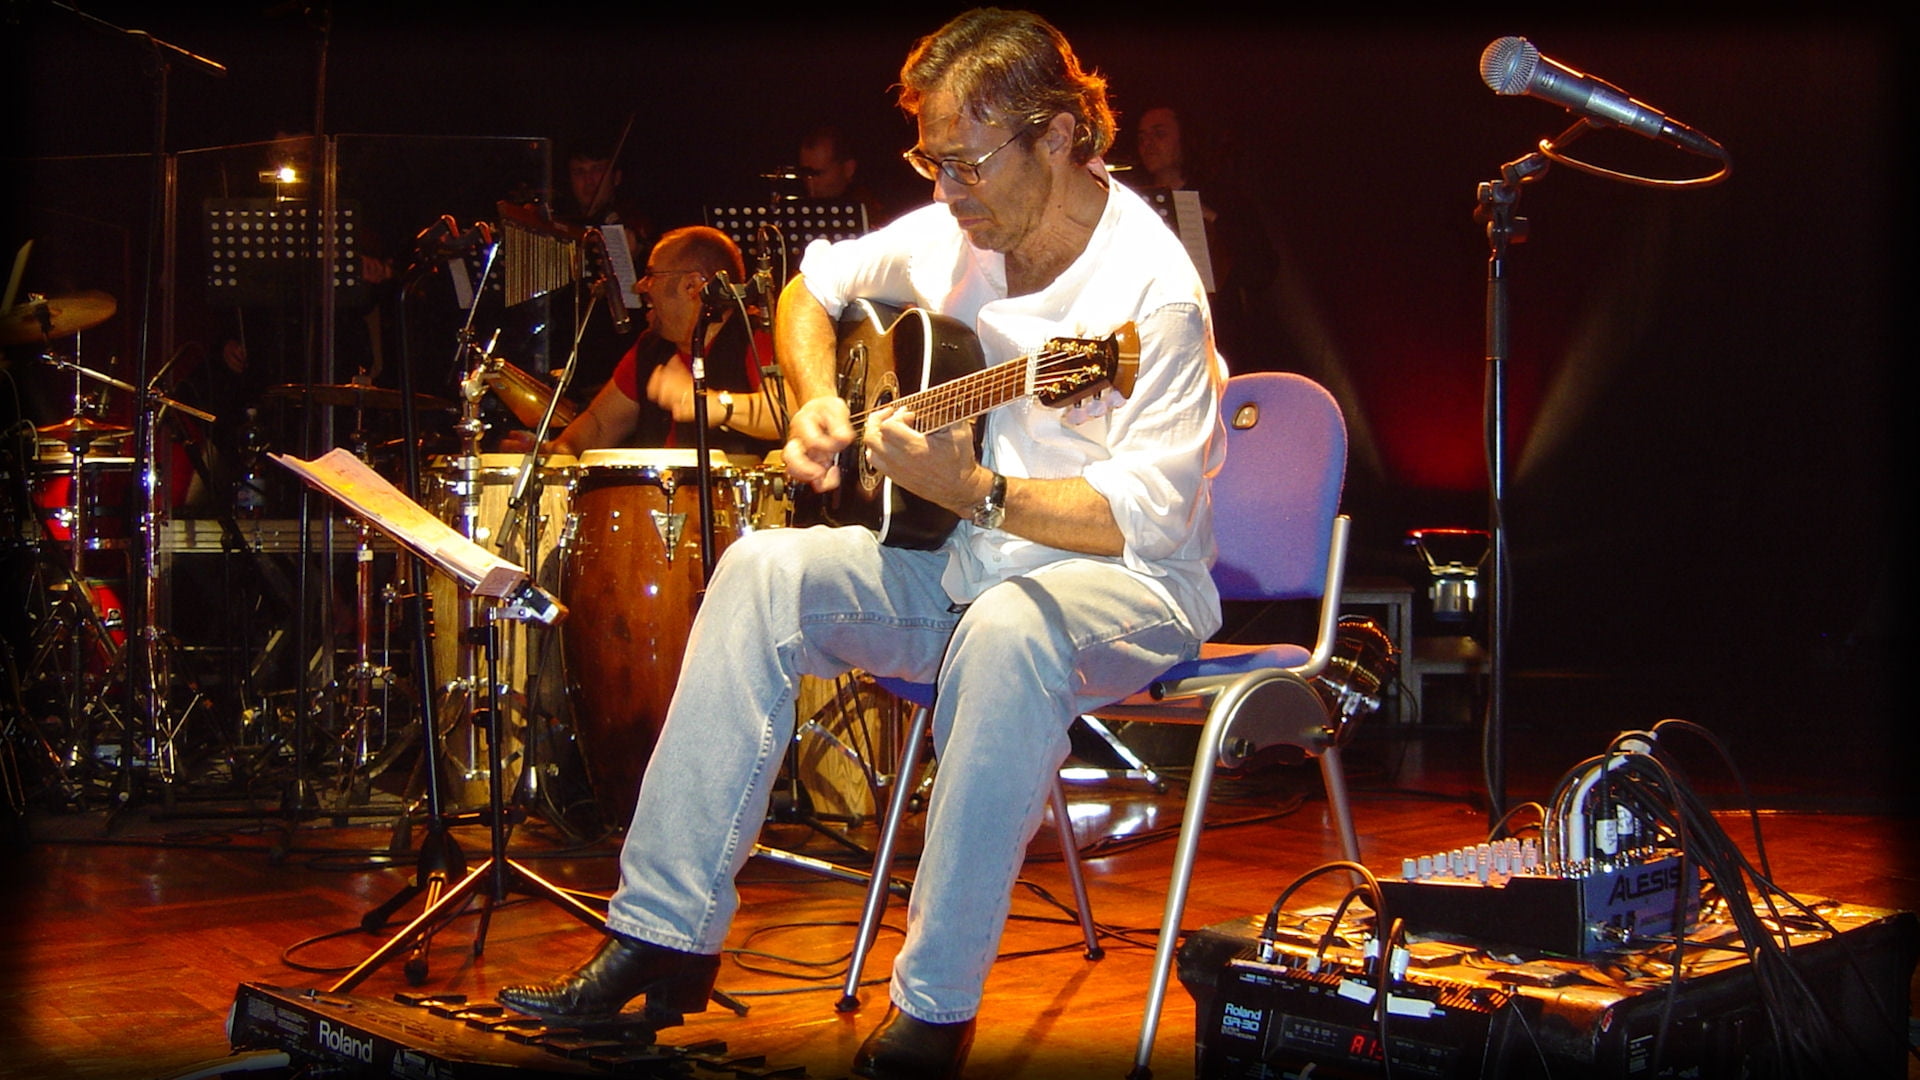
(476, 506)
(631, 573)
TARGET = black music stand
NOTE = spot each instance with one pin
(262, 251)
(795, 223)
(344, 477)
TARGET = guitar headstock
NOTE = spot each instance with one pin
(1078, 368)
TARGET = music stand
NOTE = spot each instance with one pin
(259, 251)
(368, 495)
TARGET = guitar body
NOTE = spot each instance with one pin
(932, 365)
(886, 354)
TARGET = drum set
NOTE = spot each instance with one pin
(614, 534)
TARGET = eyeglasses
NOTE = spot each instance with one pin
(956, 169)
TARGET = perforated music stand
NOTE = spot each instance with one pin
(794, 222)
(263, 251)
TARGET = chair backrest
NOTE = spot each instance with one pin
(1276, 496)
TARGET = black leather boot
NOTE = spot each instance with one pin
(906, 1048)
(674, 982)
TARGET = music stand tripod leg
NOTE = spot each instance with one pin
(497, 871)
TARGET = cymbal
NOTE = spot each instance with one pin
(80, 431)
(21, 324)
(355, 396)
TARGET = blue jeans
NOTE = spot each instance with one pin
(1013, 671)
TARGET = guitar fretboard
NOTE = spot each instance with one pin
(983, 391)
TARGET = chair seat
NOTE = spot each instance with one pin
(1218, 661)
(913, 693)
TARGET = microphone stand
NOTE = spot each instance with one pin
(1495, 210)
(523, 493)
(703, 468)
(794, 805)
(162, 56)
(440, 860)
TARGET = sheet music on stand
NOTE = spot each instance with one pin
(1182, 212)
(620, 261)
(368, 494)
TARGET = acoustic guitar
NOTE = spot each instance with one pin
(933, 365)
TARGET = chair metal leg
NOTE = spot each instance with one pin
(1334, 776)
(905, 779)
(1070, 854)
(1192, 820)
(1136, 768)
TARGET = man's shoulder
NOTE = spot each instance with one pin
(1139, 243)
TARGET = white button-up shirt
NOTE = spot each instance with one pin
(1150, 454)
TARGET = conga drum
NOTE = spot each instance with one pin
(476, 506)
(631, 573)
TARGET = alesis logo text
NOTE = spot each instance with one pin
(344, 1043)
(1645, 883)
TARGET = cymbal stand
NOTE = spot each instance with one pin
(155, 672)
(463, 691)
(74, 641)
(523, 505)
(82, 627)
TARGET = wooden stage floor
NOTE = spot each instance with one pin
(128, 937)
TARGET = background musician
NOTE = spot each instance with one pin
(1078, 572)
(648, 401)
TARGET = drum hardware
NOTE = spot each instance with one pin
(79, 639)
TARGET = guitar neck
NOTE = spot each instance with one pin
(972, 395)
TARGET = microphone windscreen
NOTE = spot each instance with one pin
(1507, 65)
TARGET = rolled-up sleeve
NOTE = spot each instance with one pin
(1162, 442)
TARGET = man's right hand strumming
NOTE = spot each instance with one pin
(819, 430)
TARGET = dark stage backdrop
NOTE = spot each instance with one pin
(1705, 485)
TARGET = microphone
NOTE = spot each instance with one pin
(609, 286)
(616, 307)
(1512, 66)
(763, 264)
(720, 289)
(528, 601)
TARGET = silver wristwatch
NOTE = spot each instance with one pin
(989, 512)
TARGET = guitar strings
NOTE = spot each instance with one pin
(970, 395)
